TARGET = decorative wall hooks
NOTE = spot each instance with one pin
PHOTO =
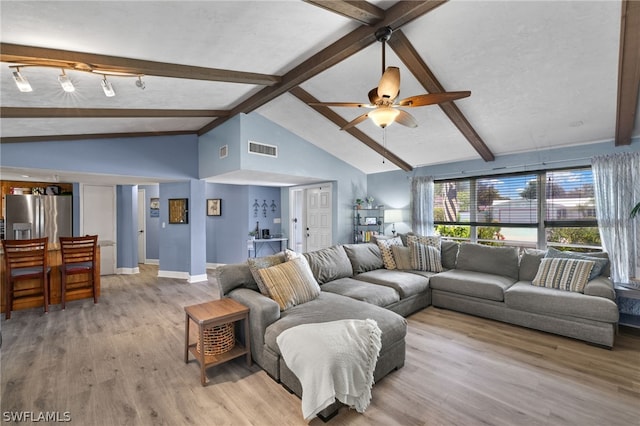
(255, 208)
(273, 206)
(264, 208)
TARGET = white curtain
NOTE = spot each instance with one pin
(617, 189)
(422, 205)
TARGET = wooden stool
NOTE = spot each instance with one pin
(25, 260)
(79, 255)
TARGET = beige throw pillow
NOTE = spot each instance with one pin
(290, 283)
(402, 257)
(257, 263)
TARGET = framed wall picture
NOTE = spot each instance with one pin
(154, 207)
(178, 210)
(214, 207)
(370, 220)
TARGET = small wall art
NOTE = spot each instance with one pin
(154, 207)
(178, 210)
(214, 207)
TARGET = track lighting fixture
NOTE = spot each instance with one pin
(107, 87)
(65, 82)
(21, 81)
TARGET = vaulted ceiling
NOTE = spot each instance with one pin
(541, 74)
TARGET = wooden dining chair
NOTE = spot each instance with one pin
(25, 260)
(79, 257)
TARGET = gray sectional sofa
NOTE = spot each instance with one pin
(492, 282)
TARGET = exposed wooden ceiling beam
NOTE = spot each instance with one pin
(396, 16)
(17, 54)
(408, 54)
(327, 112)
(91, 136)
(360, 11)
(628, 72)
(21, 112)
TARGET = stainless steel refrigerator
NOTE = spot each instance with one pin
(38, 216)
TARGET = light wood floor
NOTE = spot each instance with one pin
(121, 363)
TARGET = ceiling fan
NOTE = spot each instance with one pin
(382, 98)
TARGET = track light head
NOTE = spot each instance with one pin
(21, 81)
(66, 83)
(107, 88)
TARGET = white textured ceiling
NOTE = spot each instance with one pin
(542, 74)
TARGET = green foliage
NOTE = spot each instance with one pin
(454, 231)
(586, 236)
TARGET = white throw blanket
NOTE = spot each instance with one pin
(332, 360)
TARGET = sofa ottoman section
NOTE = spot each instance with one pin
(405, 283)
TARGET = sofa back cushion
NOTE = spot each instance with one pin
(529, 263)
(329, 264)
(491, 260)
(449, 254)
(234, 275)
(364, 257)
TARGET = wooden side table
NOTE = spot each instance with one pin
(211, 314)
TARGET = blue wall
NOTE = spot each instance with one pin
(127, 229)
(296, 157)
(161, 157)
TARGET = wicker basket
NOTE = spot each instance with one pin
(218, 339)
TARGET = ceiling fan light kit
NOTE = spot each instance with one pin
(65, 82)
(382, 98)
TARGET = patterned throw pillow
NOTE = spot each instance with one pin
(290, 283)
(425, 257)
(563, 274)
(600, 262)
(429, 240)
(387, 254)
(257, 263)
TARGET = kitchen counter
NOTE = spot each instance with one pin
(54, 262)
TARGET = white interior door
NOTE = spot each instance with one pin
(319, 220)
(298, 220)
(142, 227)
(98, 217)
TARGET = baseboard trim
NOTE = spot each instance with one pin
(214, 265)
(197, 278)
(173, 274)
(128, 271)
(152, 261)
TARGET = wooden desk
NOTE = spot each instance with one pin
(54, 262)
(210, 314)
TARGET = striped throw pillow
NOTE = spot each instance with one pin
(290, 283)
(425, 257)
(387, 254)
(563, 274)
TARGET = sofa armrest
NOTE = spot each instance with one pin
(602, 287)
(262, 313)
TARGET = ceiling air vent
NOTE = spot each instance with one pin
(263, 149)
(223, 151)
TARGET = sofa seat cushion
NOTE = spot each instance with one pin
(526, 297)
(470, 283)
(378, 295)
(332, 307)
(405, 283)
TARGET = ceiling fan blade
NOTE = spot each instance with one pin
(359, 119)
(389, 85)
(406, 119)
(341, 104)
(433, 98)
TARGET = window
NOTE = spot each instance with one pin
(506, 209)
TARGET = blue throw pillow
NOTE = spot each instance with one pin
(600, 263)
